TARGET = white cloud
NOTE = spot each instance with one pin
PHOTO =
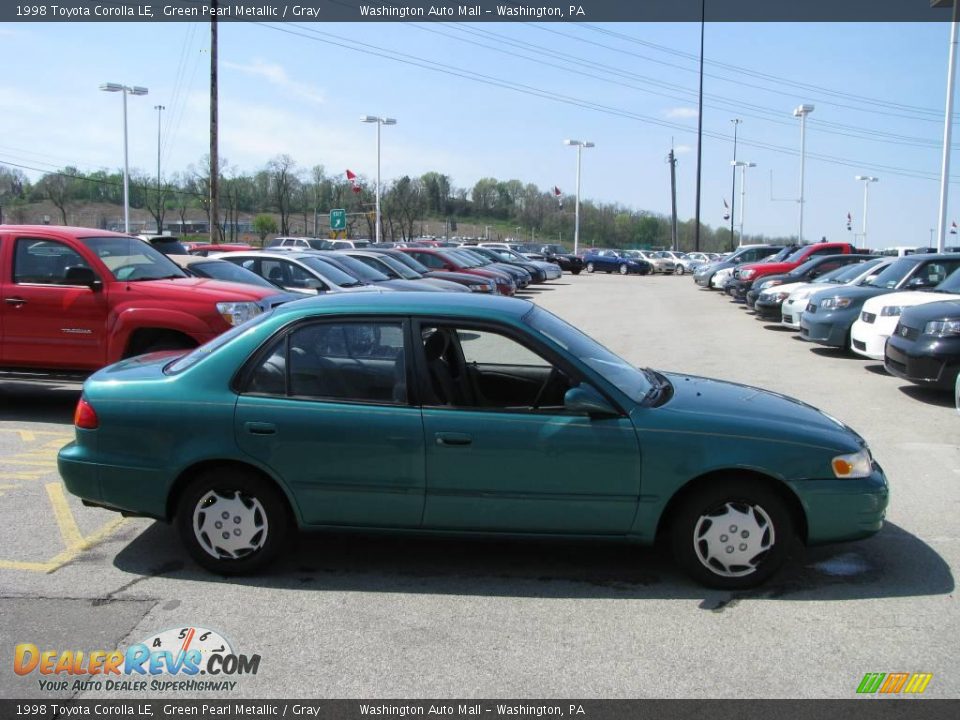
(681, 113)
(681, 149)
(276, 75)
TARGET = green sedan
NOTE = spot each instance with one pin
(460, 414)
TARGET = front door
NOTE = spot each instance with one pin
(325, 408)
(49, 319)
(502, 452)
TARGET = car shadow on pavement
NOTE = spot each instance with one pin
(832, 352)
(894, 563)
(941, 398)
(777, 327)
(38, 403)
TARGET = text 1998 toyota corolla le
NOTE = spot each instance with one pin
(462, 415)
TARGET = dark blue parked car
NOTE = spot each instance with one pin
(613, 261)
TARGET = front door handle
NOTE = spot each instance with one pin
(260, 428)
(453, 439)
(15, 301)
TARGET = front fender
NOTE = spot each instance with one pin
(125, 320)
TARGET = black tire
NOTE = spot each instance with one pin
(231, 483)
(590, 267)
(624, 270)
(679, 270)
(575, 272)
(764, 514)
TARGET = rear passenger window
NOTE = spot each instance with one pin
(348, 362)
(47, 262)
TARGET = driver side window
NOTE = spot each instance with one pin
(474, 368)
(46, 262)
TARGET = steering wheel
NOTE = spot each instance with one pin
(543, 388)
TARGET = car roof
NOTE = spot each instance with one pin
(411, 303)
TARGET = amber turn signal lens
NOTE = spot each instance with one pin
(84, 416)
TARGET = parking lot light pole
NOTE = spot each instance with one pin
(743, 165)
(379, 121)
(866, 180)
(579, 144)
(135, 90)
(801, 111)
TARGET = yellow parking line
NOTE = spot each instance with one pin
(30, 566)
(86, 543)
(69, 531)
(30, 435)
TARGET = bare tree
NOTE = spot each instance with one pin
(283, 181)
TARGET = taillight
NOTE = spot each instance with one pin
(85, 416)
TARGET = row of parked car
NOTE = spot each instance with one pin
(644, 262)
(901, 311)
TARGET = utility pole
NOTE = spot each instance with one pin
(733, 190)
(672, 159)
(696, 221)
(214, 155)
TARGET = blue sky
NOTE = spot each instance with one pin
(878, 91)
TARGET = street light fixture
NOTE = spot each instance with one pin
(379, 121)
(579, 144)
(801, 111)
(743, 165)
(135, 90)
(866, 180)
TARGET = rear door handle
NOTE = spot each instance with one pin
(17, 301)
(260, 428)
(453, 439)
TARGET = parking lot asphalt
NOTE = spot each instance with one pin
(379, 616)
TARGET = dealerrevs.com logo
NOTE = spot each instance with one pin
(181, 659)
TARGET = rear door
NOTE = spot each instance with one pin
(325, 407)
(48, 319)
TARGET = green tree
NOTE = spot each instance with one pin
(264, 225)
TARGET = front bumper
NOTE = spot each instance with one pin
(928, 361)
(840, 510)
(869, 339)
(828, 328)
(768, 309)
(738, 289)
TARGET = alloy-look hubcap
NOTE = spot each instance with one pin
(732, 540)
(229, 524)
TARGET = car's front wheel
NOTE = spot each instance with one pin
(624, 269)
(732, 534)
(232, 521)
(679, 270)
(590, 267)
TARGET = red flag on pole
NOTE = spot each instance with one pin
(849, 222)
(953, 228)
(354, 183)
(558, 195)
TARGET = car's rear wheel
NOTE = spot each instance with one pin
(679, 270)
(232, 521)
(590, 267)
(732, 534)
(624, 269)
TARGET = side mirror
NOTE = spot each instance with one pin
(917, 282)
(586, 399)
(82, 275)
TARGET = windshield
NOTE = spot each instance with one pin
(222, 270)
(848, 272)
(330, 272)
(465, 258)
(131, 259)
(796, 256)
(625, 377)
(398, 267)
(408, 260)
(893, 275)
(357, 268)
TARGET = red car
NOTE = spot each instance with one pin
(438, 259)
(73, 300)
(745, 275)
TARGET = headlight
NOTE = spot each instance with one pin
(855, 465)
(479, 287)
(780, 296)
(747, 274)
(834, 303)
(238, 312)
(890, 311)
(942, 327)
(770, 283)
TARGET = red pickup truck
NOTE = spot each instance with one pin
(73, 300)
(745, 275)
